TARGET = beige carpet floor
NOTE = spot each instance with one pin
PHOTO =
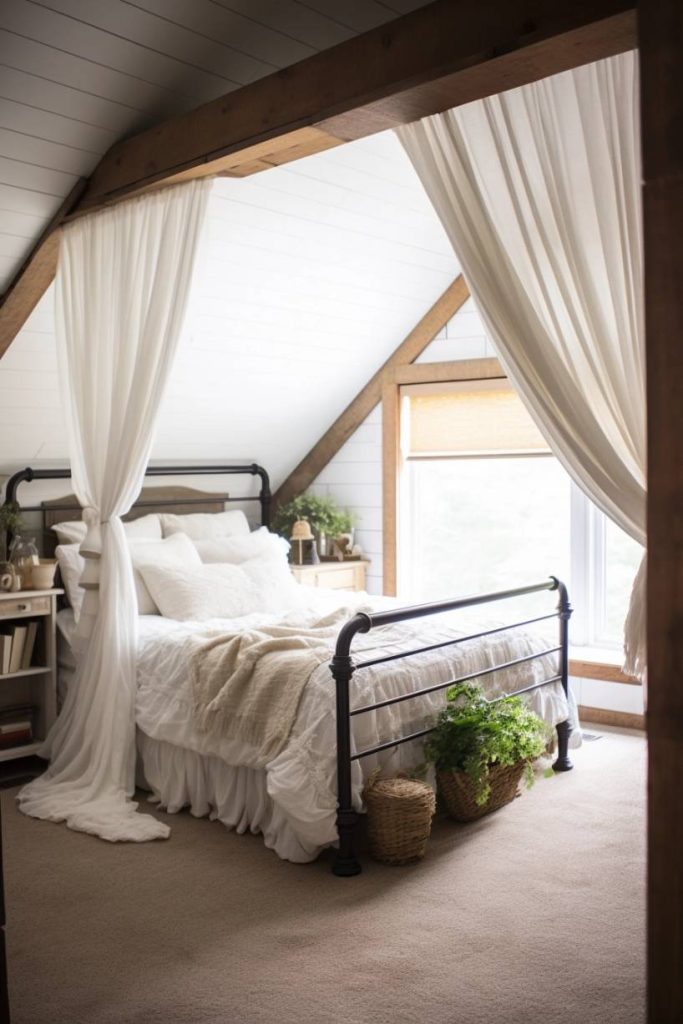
(535, 914)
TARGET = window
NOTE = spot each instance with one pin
(484, 505)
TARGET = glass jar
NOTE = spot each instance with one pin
(23, 555)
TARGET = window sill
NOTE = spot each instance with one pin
(598, 663)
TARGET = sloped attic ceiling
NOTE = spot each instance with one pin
(309, 277)
(76, 76)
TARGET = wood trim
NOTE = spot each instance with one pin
(429, 60)
(35, 275)
(424, 332)
(600, 670)
(437, 57)
(453, 370)
(605, 716)
(661, 73)
(391, 425)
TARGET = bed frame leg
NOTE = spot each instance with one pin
(563, 762)
(345, 863)
(564, 612)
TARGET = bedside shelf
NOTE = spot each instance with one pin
(35, 670)
(36, 686)
(26, 750)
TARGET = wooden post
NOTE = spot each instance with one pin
(661, 56)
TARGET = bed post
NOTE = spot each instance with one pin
(345, 862)
(564, 611)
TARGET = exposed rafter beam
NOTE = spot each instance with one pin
(440, 56)
(446, 306)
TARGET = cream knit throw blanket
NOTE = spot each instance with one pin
(248, 685)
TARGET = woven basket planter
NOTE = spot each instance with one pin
(399, 818)
(457, 791)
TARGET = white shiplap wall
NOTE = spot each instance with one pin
(354, 476)
(78, 75)
(310, 276)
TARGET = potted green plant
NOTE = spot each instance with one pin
(323, 513)
(481, 750)
(10, 521)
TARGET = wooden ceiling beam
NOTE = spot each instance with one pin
(444, 54)
(413, 345)
(439, 56)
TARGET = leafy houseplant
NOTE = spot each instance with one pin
(323, 514)
(10, 519)
(476, 739)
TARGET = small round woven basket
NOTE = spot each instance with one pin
(399, 818)
(457, 791)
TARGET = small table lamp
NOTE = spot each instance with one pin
(303, 544)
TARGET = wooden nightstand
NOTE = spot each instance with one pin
(36, 684)
(335, 575)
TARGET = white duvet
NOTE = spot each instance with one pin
(301, 781)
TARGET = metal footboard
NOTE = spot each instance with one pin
(343, 668)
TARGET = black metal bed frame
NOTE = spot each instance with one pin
(343, 668)
(252, 469)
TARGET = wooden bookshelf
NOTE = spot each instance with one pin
(35, 685)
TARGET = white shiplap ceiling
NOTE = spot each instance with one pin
(78, 75)
(310, 275)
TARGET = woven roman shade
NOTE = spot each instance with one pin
(467, 418)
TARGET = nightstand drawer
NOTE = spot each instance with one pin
(343, 578)
(24, 606)
(334, 575)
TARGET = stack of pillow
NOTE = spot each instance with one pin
(193, 567)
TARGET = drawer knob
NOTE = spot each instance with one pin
(22, 606)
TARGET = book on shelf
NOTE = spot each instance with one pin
(16, 725)
(17, 737)
(18, 644)
(31, 633)
(5, 652)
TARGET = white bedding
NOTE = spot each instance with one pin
(293, 801)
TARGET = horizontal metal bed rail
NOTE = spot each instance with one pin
(450, 643)
(343, 668)
(62, 473)
(453, 682)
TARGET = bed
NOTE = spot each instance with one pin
(379, 675)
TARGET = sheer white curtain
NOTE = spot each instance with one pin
(122, 288)
(539, 192)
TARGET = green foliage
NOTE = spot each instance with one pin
(10, 517)
(322, 513)
(471, 735)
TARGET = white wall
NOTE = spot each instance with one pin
(310, 276)
(354, 479)
(354, 475)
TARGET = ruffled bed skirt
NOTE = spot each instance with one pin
(237, 797)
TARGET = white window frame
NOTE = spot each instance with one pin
(587, 546)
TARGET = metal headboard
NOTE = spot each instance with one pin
(251, 469)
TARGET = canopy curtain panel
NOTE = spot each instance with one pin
(539, 191)
(123, 283)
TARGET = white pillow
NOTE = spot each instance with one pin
(74, 531)
(71, 566)
(222, 591)
(276, 589)
(259, 544)
(209, 592)
(205, 525)
(176, 551)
